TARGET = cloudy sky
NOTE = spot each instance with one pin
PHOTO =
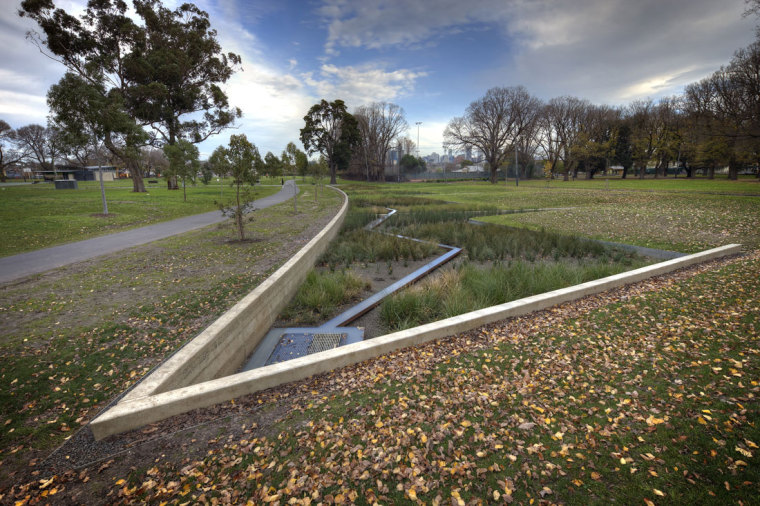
(432, 57)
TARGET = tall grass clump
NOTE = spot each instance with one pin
(321, 294)
(365, 246)
(469, 287)
(440, 214)
(495, 243)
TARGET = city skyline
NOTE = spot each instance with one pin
(431, 58)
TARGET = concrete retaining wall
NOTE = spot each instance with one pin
(130, 414)
(225, 344)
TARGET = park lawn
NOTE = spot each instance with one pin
(687, 220)
(71, 341)
(648, 398)
(38, 216)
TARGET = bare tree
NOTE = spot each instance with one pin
(11, 150)
(493, 123)
(561, 123)
(43, 144)
(380, 125)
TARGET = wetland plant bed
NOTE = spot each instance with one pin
(470, 286)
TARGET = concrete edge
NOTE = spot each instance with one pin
(228, 322)
(135, 413)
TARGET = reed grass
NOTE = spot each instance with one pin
(321, 293)
(470, 287)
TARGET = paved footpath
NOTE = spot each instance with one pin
(41, 260)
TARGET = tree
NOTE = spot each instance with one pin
(318, 168)
(219, 162)
(159, 70)
(242, 159)
(331, 131)
(410, 164)
(493, 123)
(183, 162)
(560, 124)
(179, 73)
(97, 47)
(380, 125)
(44, 144)
(272, 165)
(622, 150)
(85, 117)
(11, 151)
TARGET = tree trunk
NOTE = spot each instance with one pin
(625, 172)
(332, 172)
(133, 166)
(642, 171)
(493, 173)
(733, 170)
(239, 215)
(711, 172)
(138, 185)
(171, 183)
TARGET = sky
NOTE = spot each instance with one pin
(431, 57)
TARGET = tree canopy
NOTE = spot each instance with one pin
(160, 71)
(331, 131)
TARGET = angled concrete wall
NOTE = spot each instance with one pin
(225, 344)
(130, 414)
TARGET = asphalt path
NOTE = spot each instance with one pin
(41, 260)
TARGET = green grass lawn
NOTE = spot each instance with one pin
(38, 216)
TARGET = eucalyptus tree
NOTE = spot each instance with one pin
(493, 123)
(163, 69)
(183, 162)
(331, 131)
(242, 160)
(96, 47)
(272, 165)
(178, 74)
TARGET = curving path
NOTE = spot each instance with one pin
(41, 260)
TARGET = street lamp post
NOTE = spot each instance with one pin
(418, 137)
(517, 167)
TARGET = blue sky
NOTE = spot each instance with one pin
(432, 57)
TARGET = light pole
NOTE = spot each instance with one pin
(517, 167)
(418, 137)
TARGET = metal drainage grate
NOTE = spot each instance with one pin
(296, 344)
(322, 342)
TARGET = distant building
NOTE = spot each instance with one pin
(73, 172)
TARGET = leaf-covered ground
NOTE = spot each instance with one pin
(645, 394)
(72, 340)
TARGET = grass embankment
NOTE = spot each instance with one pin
(38, 216)
(72, 341)
(650, 398)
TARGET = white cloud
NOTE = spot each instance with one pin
(362, 84)
(27, 107)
